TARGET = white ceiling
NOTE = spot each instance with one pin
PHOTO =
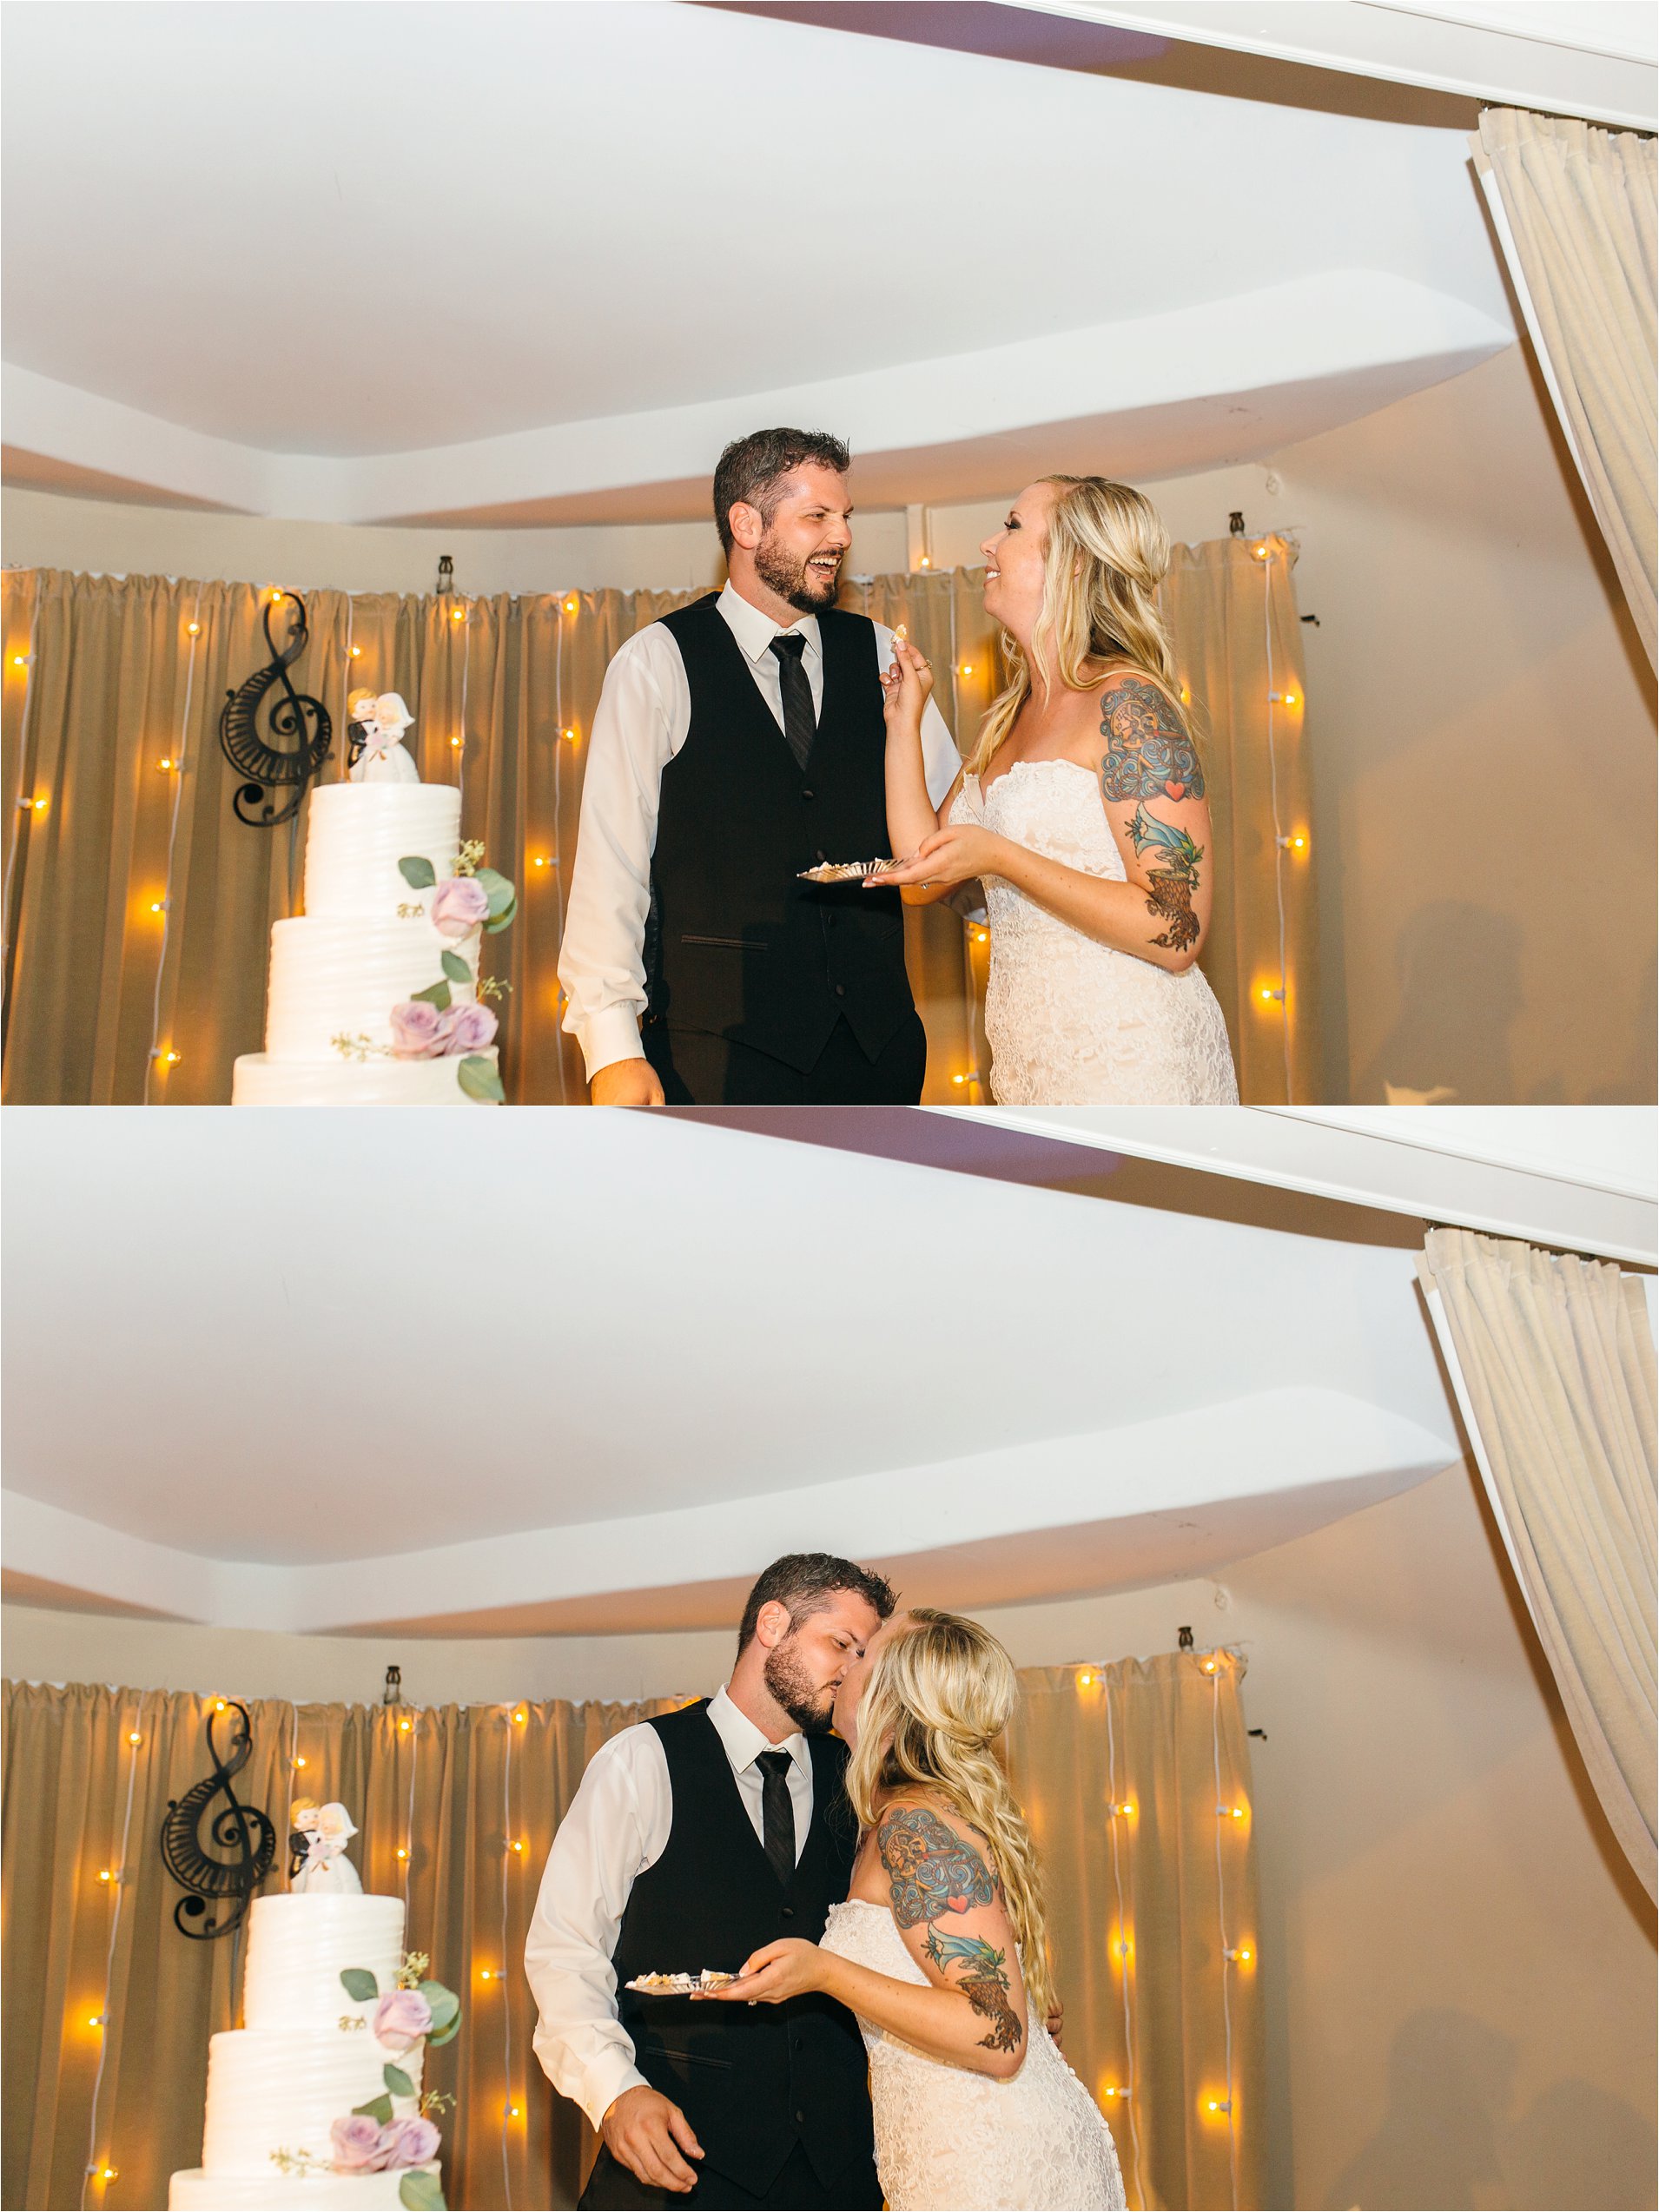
(530, 262)
(544, 1370)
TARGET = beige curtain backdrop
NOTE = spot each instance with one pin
(458, 1790)
(138, 909)
(1145, 1905)
(1575, 211)
(1554, 1359)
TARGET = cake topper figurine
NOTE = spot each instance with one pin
(317, 1841)
(377, 728)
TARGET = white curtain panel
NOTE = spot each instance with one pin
(1574, 210)
(1552, 1359)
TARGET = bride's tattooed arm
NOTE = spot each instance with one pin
(1149, 755)
(932, 1872)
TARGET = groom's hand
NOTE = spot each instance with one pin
(625, 1082)
(646, 2133)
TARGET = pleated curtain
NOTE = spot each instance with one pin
(1574, 208)
(138, 909)
(108, 2007)
(1553, 1359)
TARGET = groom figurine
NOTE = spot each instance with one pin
(738, 741)
(694, 1839)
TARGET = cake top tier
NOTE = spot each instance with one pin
(356, 835)
(298, 1947)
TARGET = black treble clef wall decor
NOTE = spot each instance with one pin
(227, 1884)
(298, 724)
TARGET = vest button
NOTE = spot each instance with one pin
(821, 853)
(800, 2119)
(840, 990)
(805, 794)
(788, 1911)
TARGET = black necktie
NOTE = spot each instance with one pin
(777, 1814)
(799, 724)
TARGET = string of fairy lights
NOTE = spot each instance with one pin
(1217, 2098)
(512, 1847)
(115, 1878)
(1284, 842)
(24, 805)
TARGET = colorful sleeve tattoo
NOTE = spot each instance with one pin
(1149, 755)
(932, 1872)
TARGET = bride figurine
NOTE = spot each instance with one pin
(322, 1831)
(381, 723)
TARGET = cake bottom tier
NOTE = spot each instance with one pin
(258, 1080)
(197, 2191)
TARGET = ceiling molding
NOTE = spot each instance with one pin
(1152, 1502)
(1589, 58)
(1577, 1179)
(1227, 381)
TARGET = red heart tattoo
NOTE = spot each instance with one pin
(1175, 790)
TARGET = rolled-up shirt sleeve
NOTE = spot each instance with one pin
(601, 959)
(599, 1850)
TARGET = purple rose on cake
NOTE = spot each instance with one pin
(467, 1028)
(357, 2144)
(459, 906)
(408, 2142)
(416, 1030)
(401, 2018)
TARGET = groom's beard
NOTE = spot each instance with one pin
(811, 1706)
(809, 589)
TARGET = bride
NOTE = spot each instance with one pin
(1082, 809)
(939, 1948)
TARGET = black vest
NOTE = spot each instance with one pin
(753, 2080)
(736, 946)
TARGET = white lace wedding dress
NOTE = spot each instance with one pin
(1071, 1021)
(949, 2140)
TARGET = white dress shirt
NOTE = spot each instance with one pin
(642, 720)
(618, 1826)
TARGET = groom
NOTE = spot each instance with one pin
(737, 741)
(694, 1839)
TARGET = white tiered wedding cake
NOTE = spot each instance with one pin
(307, 2104)
(374, 996)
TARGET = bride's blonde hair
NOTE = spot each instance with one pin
(1107, 552)
(941, 1692)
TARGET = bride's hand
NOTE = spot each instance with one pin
(906, 686)
(777, 1971)
(957, 854)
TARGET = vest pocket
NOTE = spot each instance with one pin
(682, 2057)
(727, 944)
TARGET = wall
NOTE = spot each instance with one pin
(1458, 1970)
(1482, 718)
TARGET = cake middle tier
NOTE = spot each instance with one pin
(357, 833)
(282, 2089)
(335, 978)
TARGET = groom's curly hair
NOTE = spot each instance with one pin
(805, 1581)
(750, 470)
